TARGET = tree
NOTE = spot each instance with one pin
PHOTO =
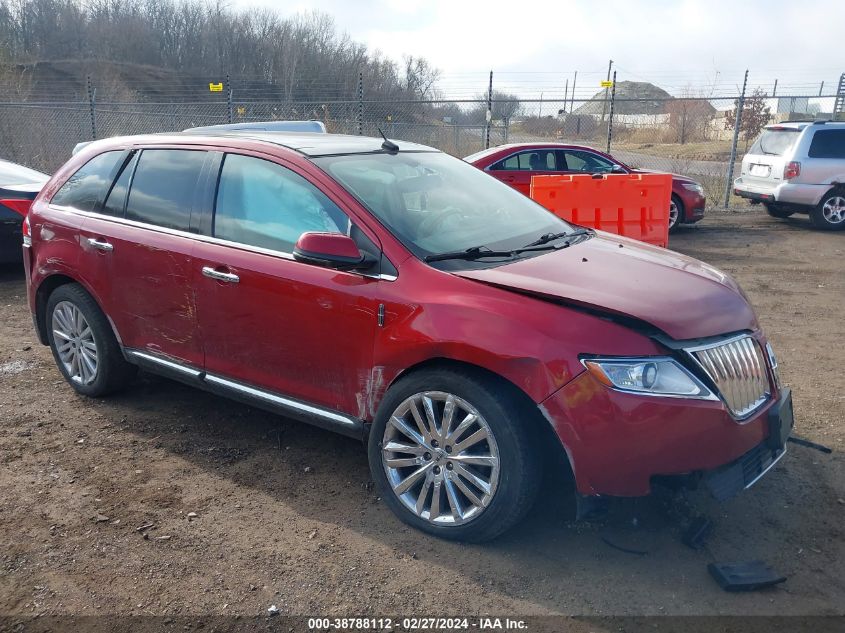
(301, 58)
(755, 115)
(689, 116)
(505, 106)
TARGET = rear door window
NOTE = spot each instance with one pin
(164, 186)
(533, 160)
(263, 204)
(87, 188)
(827, 144)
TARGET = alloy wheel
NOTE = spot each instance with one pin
(75, 344)
(833, 209)
(673, 214)
(440, 458)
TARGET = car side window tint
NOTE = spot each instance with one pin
(263, 204)
(115, 203)
(86, 189)
(163, 187)
(532, 160)
(588, 162)
(827, 144)
(511, 163)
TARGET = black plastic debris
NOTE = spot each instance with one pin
(744, 576)
(623, 548)
(696, 535)
(802, 442)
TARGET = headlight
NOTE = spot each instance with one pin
(659, 376)
(693, 186)
(773, 363)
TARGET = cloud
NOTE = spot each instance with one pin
(673, 42)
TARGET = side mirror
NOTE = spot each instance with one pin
(618, 169)
(330, 250)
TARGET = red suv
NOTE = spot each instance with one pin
(515, 164)
(401, 296)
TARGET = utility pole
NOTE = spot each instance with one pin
(574, 79)
(737, 122)
(565, 95)
(606, 93)
(775, 89)
(540, 115)
(610, 120)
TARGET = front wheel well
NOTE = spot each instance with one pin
(558, 476)
(47, 287)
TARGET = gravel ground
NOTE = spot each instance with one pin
(244, 510)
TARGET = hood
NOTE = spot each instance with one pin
(681, 296)
(677, 177)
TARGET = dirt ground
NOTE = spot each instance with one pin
(285, 514)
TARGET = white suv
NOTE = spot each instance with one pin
(798, 167)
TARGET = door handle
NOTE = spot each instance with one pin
(100, 246)
(210, 272)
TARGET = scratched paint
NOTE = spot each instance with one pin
(373, 385)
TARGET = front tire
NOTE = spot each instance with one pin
(453, 454)
(776, 211)
(829, 214)
(83, 344)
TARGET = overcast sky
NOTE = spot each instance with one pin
(672, 43)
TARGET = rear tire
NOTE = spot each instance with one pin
(676, 213)
(483, 488)
(83, 343)
(829, 214)
(776, 211)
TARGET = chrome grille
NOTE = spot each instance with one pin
(738, 368)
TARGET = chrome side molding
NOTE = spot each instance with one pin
(154, 363)
(275, 403)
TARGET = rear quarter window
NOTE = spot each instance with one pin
(827, 144)
(87, 188)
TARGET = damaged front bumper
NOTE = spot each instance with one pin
(619, 444)
(730, 479)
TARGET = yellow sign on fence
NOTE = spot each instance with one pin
(216, 87)
(607, 84)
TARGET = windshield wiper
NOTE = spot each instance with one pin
(551, 237)
(475, 252)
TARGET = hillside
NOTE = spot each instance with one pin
(650, 99)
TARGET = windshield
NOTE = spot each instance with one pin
(775, 142)
(436, 204)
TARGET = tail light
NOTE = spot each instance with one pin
(27, 232)
(18, 206)
(792, 170)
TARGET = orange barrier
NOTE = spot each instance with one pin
(633, 205)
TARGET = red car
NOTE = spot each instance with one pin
(515, 164)
(398, 295)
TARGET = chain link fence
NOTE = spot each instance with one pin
(689, 136)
